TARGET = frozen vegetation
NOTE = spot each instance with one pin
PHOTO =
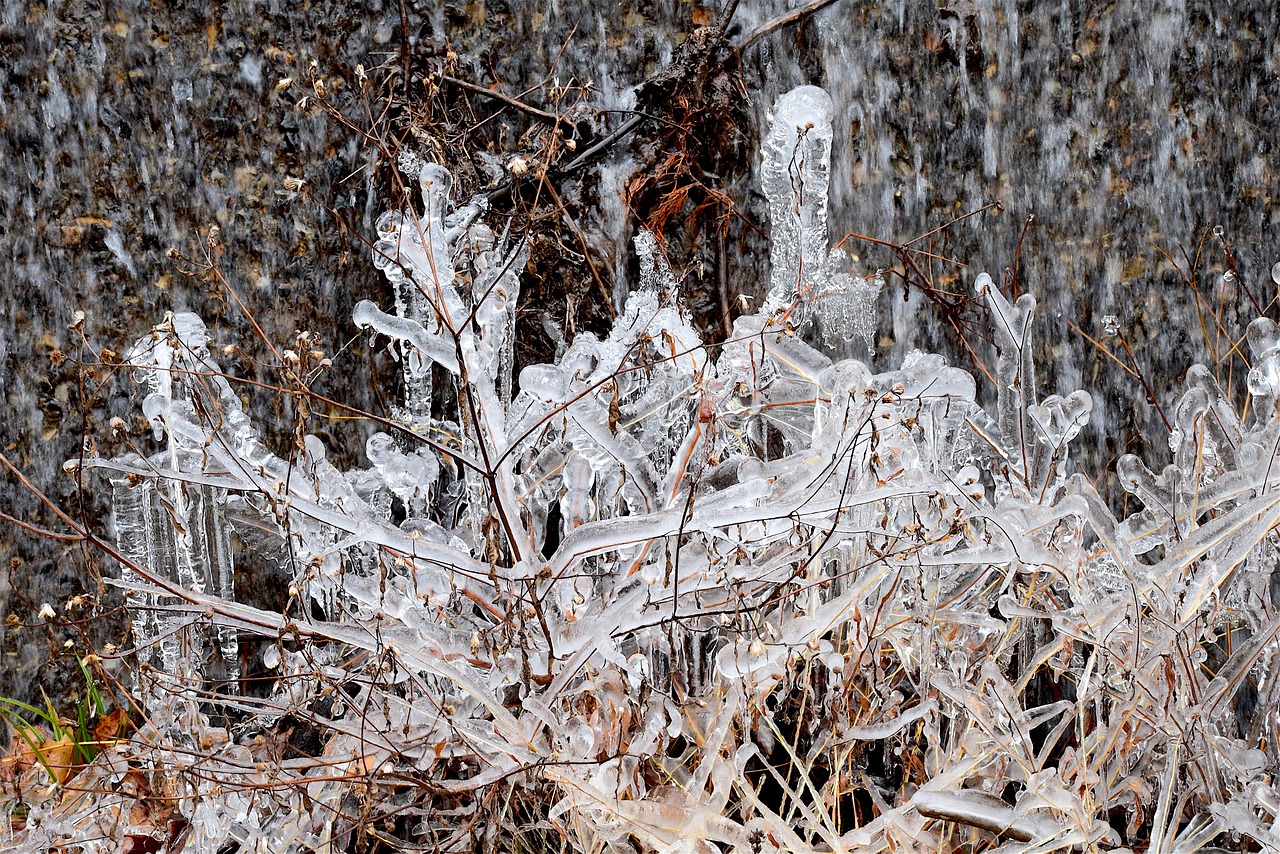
(665, 596)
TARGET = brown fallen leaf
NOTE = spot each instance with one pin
(59, 756)
(111, 727)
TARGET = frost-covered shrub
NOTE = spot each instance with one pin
(665, 596)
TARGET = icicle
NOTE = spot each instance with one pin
(626, 564)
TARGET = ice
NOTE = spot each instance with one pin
(655, 274)
(876, 732)
(1030, 435)
(845, 306)
(431, 345)
(794, 177)
(599, 589)
(979, 809)
(410, 476)
(1264, 376)
(171, 530)
(1060, 419)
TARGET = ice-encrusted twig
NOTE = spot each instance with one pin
(979, 809)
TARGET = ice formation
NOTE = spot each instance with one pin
(174, 528)
(616, 573)
(795, 176)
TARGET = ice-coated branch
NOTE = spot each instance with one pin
(432, 346)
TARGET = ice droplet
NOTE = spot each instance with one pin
(1229, 283)
(1110, 324)
(1275, 272)
(1128, 472)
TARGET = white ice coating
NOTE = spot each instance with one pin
(606, 571)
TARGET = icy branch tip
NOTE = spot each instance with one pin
(368, 316)
(804, 108)
(436, 183)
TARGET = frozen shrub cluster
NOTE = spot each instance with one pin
(663, 596)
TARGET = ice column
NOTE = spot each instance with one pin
(795, 178)
(795, 175)
(171, 530)
(413, 254)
